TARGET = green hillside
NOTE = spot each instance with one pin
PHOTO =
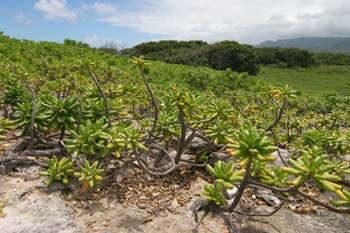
(310, 81)
(52, 60)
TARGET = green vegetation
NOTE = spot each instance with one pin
(58, 170)
(221, 55)
(89, 174)
(5, 126)
(316, 44)
(336, 59)
(75, 43)
(310, 81)
(231, 54)
(89, 107)
(286, 57)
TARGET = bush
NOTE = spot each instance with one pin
(337, 59)
(289, 57)
(231, 54)
(221, 55)
(76, 43)
(164, 45)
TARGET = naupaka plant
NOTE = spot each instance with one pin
(90, 140)
(250, 146)
(23, 117)
(89, 174)
(58, 170)
(5, 127)
(170, 111)
(62, 113)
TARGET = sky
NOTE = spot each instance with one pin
(129, 22)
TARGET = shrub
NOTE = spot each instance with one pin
(231, 54)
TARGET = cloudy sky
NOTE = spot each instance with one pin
(129, 22)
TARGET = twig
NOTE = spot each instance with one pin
(103, 96)
(182, 142)
(241, 187)
(32, 120)
(13, 160)
(80, 105)
(279, 116)
(260, 215)
(153, 99)
(155, 171)
(324, 205)
(278, 149)
(45, 153)
(192, 164)
(275, 189)
(190, 138)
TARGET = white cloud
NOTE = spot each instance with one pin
(23, 19)
(249, 21)
(55, 9)
(96, 41)
(100, 8)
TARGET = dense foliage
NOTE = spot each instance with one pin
(230, 54)
(92, 107)
(316, 44)
(76, 43)
(220, 56)
(163, 46)
(337, 59)
(287, 57)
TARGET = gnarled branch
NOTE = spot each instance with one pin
(92, 75)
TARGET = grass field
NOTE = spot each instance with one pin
(311, 81)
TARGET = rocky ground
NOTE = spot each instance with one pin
(39, 211)
(130, 201)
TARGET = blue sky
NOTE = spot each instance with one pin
(20, 19)
(128, 22)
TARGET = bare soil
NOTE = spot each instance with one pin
(39, 211)
(131, 201)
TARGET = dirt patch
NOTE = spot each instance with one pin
(106, 210)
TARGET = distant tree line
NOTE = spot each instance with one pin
(76, 43)
(220, 55)
(338, 59)
(293, 57)
(231, 54)
(286, 57)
